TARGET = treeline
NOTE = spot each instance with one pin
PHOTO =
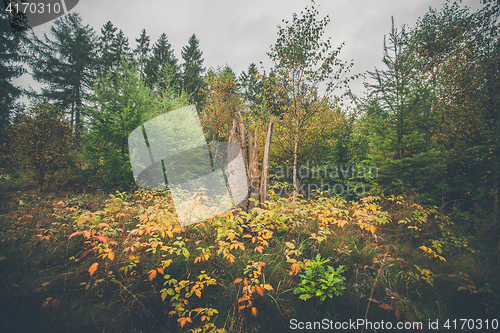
(430, 119)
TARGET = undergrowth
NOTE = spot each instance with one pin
(122, 263)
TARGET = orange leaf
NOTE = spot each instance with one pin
(254, 312)
(238, 280)
(259, 290)
(152, 274)
(160, 270)
(93, 268)
(290, 245)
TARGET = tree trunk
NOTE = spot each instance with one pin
(295, 148)
(265, 161)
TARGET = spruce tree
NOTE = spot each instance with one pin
(142, 52)
(193, 70)
(401, 120)
(11, 50)
(162, 69)
(252, 86)
(65, 65)
(113, 48)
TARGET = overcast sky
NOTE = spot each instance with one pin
(238, 33)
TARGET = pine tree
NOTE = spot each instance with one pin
(192, 79)
(162, 68)
(66, 65)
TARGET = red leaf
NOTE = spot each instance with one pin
(103, 239)
(75, 233)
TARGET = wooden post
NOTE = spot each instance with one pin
(237, 136)
(265, 161)
(253, 167)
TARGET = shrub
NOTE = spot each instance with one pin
(42, 141)
(318, 282)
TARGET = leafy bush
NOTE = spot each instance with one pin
(318, 282)
(43, 141)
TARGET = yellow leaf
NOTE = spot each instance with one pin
(111, 256)
(93, 268)
(268, 287)
(254, 312)
(290, 245)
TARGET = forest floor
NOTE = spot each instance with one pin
(120, 262)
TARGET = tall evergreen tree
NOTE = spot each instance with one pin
(113, 48)
(464, 50)
(252, 86)
(142, 52)
(162, 69)
(11, 49)
(192, 79)
(66, 65)
(400, 119)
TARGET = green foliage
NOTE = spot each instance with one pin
(113, 49)
(121, 103)
(11, 49)
(401, 119)
(162, 71)
(318, 282)
(192, 71)
(302, 62)
(222, 103)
